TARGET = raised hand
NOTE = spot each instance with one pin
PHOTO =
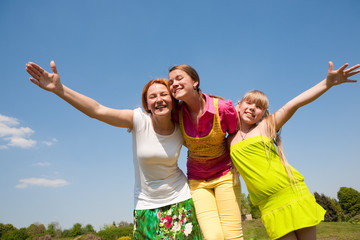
(48, 81)
(336, 77)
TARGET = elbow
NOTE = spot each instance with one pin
(96, 112)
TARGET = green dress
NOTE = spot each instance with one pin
(284, 207)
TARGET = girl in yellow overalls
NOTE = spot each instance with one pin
(288, 209)
(214, 183)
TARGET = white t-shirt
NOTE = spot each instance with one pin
(158, 179)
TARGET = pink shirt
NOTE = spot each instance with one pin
(227, 112)
(218, 166)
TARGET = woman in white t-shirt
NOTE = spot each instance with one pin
(163, 205)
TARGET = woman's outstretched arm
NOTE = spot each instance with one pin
(334, 77)
(51, 82)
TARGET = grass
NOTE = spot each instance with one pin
(254, 230)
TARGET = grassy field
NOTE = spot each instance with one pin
(254, 230)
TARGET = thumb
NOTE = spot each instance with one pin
(53, 67)
(331, 66)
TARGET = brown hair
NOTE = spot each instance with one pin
(162, 81)
(189, 71)
(193, 75)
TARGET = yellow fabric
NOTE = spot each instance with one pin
(217, 204)
(284, 208)
(211, 146)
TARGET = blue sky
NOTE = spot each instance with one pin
(59, 165)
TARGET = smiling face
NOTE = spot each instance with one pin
(252, 107)
(181, 84)
(159, 101)
(249, 112)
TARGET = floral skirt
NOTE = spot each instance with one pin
(176, 221)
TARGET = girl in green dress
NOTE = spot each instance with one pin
(288, 209)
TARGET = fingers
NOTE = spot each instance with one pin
(353, 73)
(37, 67)
(34, 81)
(53, 67)
(331, 66)
(349, 80)
(33, 72)
(352, 68)
(343, 67)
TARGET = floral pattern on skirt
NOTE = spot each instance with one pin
(176, 221)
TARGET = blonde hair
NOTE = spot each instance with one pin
(260, 99)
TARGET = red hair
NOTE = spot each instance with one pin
(162, 81)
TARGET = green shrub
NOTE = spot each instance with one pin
(355, 219)
(114, 233)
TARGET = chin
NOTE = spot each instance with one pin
(160, 113)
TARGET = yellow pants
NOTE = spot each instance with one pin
(217, 205)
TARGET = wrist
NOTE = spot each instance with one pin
(59, 90)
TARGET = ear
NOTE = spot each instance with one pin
(238, 106)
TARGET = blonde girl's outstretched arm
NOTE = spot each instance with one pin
(51, 82)
(334, 77)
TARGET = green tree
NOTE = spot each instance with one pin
(349, 200)
(4, 228)
(339, 210)
(54, 229)
(331, 214)
(254, 210)
(245, 204)
(66, 233)
(17, 234)
(36, 229)
(89, 229)
(76, 230)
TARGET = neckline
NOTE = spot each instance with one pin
(248, 141)
(163, 135)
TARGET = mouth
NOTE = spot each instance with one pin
(177, 89)
(249, 114)
(160, 107)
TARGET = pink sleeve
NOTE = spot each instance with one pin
(228, 116)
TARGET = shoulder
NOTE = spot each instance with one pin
(226, 108)
(139, 113)
(226, 105)
(140, 118)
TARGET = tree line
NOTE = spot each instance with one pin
(346, 208)
(37, 231)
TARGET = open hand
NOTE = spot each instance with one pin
(336, 77)
(48, 81)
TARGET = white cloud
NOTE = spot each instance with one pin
(41, 182)
(51, 142)
(42, 164)
(15, 136)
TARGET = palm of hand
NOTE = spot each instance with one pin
(335, 77)
(49, 81)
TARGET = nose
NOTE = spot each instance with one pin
(158, 98)
(174, 83)
(252, 106)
